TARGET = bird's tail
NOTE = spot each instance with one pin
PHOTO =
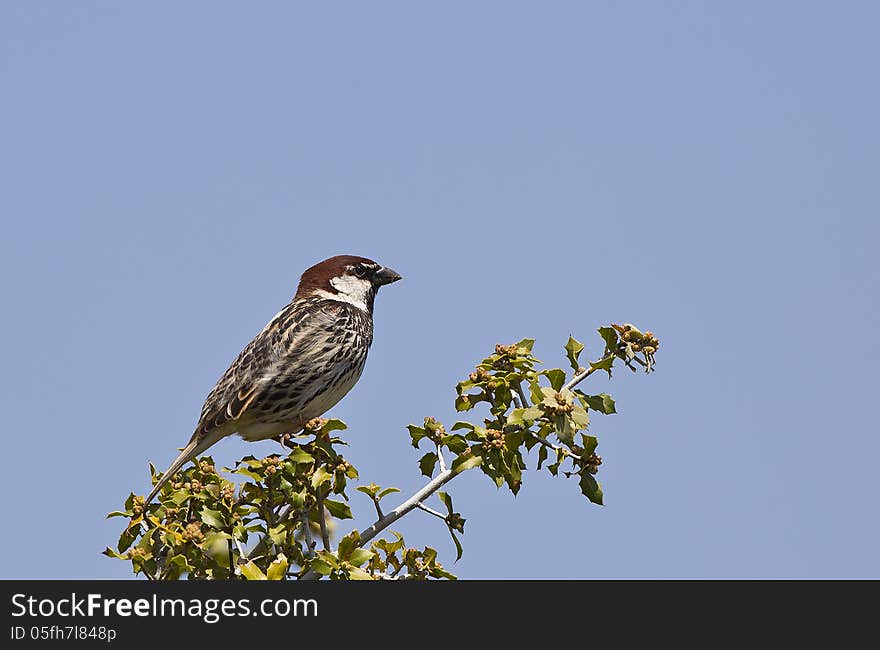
(192, 449)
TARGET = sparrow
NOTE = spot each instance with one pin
(300, 365)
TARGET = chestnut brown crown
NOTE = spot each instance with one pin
(345, 276)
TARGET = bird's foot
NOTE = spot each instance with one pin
(285, 440)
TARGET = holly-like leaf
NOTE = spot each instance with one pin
(446, 498)
(556, 377)
(333, 425)
(542, 456)
(300, 456)
(360, 556)
(564, 430)
(455, 443)
(458, 549)
(321, 566)
(278, 569)
(338, 509)
(320, 477)
(466, 461)
(609, 335)
(359, 574)
(602, 402)
(589, 444)
(252, 572)
(524, 417)
(603, 364)
(348, 544)
(579, 417)
(212, 518)
(590, 487)
(525, 346)
(464, 402)
(427, 463)
(573, 350)
(417, 433)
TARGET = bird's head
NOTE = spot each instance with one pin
(346, 278)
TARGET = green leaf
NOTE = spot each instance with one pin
(427, 463)
(278, 569)
(338, 509)
(360, 556)
(118, 513)
(609, 335)
(579, 418)
(464, 403)
(244, 471)
(563, 429)
(535, 391)
(458, 549)
(212, 518)
(525, 346)
(591, 488)
(446, 498)
(454, 443)
(603, 364)
(466, 461)
(573, 350)
(252, 572)
(333, 425)
(462, 425)
(603, 403)
(320, 477)
(542, 456)
(589, 444)
(384, 493)
(359, 574)
(298, 499)
(417, 433)
(524, 417)
(176, 566)
(348, 543)
(370, 489)
(300, 456)
(278, 534)
(320, 566)
(556, 377)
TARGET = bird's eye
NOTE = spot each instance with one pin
(360, 270)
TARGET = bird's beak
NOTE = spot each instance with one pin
(386, 276)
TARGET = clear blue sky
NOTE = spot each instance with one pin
(706, 170)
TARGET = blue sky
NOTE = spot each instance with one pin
(705, 170)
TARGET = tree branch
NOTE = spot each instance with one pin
(446, 475)
(430, 511)
(307, 533)
(410, 504)
(439, 458)
(325, 537)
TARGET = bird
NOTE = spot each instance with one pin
(302, 363)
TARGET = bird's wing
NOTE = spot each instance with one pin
(255, 365)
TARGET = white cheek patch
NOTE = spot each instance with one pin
(352, 290)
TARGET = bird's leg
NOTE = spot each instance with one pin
(285, 440)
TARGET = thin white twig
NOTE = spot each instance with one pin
(440, 458)
(430, 511)
(410, 504)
